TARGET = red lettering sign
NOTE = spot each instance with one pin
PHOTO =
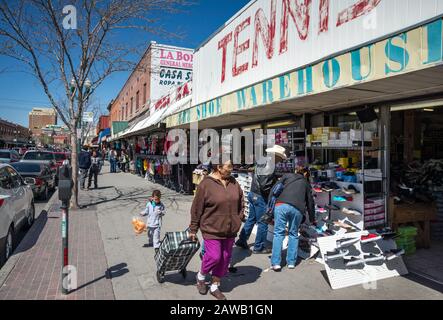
(238, 49)
(300, 14)
(324, 16)
(223, 44)
(361, 8)
(267, 32)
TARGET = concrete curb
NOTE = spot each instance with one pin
(11, 263)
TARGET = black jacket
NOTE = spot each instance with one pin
(84, 160)
(297, 192)
(263, 180)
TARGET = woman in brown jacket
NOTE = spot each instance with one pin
(217, 211)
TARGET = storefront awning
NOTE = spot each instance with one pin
(103, 134)
(159, 116)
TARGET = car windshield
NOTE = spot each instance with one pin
(27, 167)
(60, 156)
(43, 156)
(4, 155)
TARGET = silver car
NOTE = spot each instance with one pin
(16, 208)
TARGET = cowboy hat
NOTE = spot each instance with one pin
(279, 151)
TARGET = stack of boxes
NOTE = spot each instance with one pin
(334, 137)
(374, 213)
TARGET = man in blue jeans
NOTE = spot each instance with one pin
(262, 183)
(292, 204)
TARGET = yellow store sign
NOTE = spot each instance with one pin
(410, 51)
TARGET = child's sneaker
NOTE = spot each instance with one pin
(291, 266)
(276, 268)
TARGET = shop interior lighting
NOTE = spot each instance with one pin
(281, 124)
(418, 105)
(428, 110)
(256, 127)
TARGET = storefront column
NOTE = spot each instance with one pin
(385, 145)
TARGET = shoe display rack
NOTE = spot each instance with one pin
(360, 259)
(244, 179)
(362, 202)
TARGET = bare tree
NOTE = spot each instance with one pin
(74, 49)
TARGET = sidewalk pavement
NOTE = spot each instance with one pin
(103, 242)
(124, 195)
(36, 273)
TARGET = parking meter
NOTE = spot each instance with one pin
(65, 183)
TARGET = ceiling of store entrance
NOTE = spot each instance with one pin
(419, 83)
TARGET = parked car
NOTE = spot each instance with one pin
(42, 157)
(16, 208)
(45, 178)
(9, 156)
(60, 157)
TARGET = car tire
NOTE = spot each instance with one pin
(8, 248)
(30, 218)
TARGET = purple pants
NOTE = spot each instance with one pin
(217, 257)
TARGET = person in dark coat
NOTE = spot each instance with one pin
(84, 163)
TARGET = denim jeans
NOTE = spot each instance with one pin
(113, 165)
(257, 207)
(286, 214)
(83, 177)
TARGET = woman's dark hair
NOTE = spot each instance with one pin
(304, 172)
(156, 193)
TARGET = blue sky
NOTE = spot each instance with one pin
(20, 92)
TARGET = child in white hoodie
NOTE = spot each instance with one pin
(155, 210)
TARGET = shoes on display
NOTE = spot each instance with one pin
(350, 190)
(332, 207)
(393, 254)
(359, 261)
(370, 238)
(329, 186)
(321, 210)
(339, 199)
(335, 255)
(347, 242)
(387, 233)
(351, 212)
(317, 189)
(352, 224)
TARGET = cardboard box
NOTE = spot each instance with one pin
(355, 135)
(331, 129)
(317, 131)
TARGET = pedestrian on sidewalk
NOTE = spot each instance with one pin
(94, 170)
(217, 210)
(263, 180)
(123, 161)
(84, 163)
(291, 208)
(113, 160)
(155, 210)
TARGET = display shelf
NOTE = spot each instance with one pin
(354, 148)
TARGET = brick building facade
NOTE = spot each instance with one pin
(13, 134)
(39, 118)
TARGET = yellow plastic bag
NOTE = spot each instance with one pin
(138, 225)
